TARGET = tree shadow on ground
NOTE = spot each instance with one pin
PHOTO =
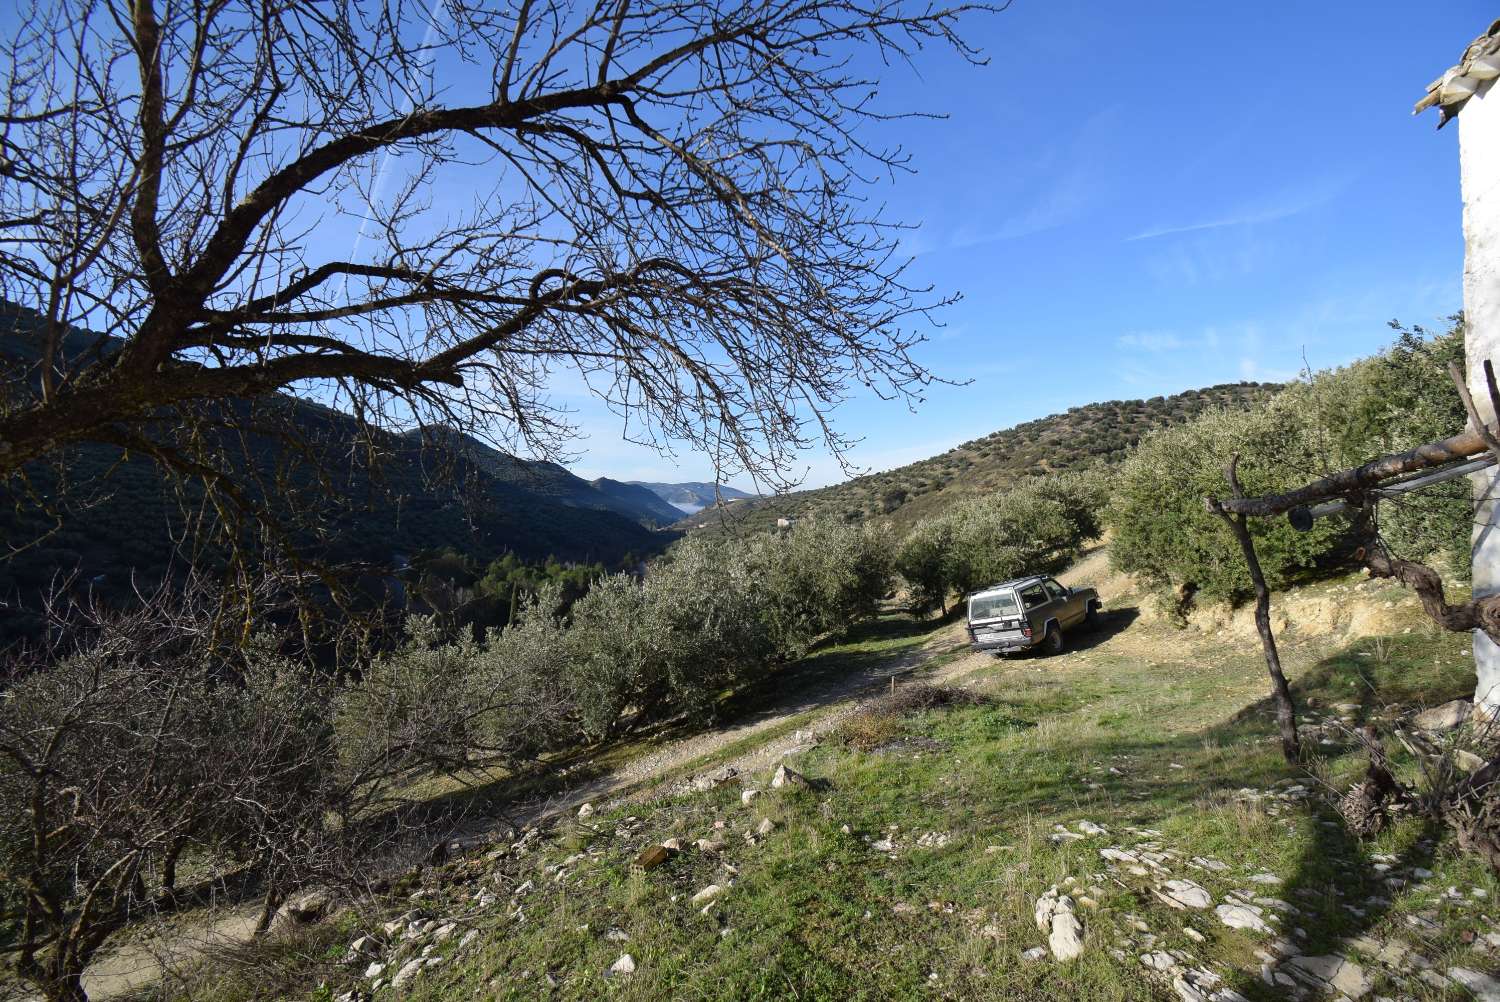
(1341, 897)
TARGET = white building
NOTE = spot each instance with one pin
(1468, 88)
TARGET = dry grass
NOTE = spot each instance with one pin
(883, 720)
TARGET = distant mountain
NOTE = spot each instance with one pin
(1083, 436)
(554, 481)
(690, 498)
(419, 495)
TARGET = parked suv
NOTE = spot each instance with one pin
(1029, 612)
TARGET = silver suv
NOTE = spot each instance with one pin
(1029, 612)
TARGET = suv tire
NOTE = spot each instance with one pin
(1053, 643)
(1091, 620)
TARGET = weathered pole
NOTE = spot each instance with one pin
(1281, 693)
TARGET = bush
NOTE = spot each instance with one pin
(143, 740)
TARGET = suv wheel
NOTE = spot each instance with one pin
(1053, 642)
(1091, 620)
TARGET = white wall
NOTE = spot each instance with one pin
(1479, 156)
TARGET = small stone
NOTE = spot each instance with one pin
(1034, 954)
(788, 777)
(1467, 761)
(1089, 828)
(1265, 878)
(1193, 934)
(625, 965)
(586, 810)
(1159, 961)
(651, 857)
(373, 971)
(748, 795)
(408, 971)
(707, 894)
(1045, 906)
(765, 827)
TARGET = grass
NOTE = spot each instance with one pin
(968, 792)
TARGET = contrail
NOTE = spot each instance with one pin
(385, 157)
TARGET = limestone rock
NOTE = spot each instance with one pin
(1066, 939)
(1484, 987)
(365, 946)
(1445, 717)
(1340, 973)
(1242, 917)
(765, 827)
(1046, 905)
(1159, 960)
(1185, 894)
(1034, 954)
(408, 971)
(707, 894)
(748, 795)
(785, 777)
(586, 810)
(625, 965)
(1467, 761)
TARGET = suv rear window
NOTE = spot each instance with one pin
(993, 606)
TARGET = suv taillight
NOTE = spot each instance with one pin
(1026, 631)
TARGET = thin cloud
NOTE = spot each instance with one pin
(1280, 205)
(1152, 341)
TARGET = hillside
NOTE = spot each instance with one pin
(555, 481)
(692, 497)
(334, 504)
(1094, 433)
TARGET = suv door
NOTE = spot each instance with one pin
(1039, 608)
(1068, 606)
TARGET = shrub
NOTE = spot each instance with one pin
(145, 738)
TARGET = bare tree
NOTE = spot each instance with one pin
(677, 208)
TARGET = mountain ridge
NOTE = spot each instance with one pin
(1082, 436)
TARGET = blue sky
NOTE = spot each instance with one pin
(1136, 199)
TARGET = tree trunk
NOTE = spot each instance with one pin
(1479, 157)
(1281, 693)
